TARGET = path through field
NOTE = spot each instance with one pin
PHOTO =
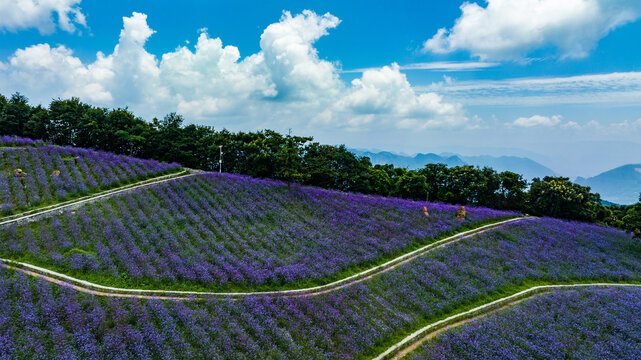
(419, 337)
(75, 203)
(100, 290)
(396, 351)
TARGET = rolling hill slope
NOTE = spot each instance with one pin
(226, 231)
(213, 232)
(33, 174)
(352, 323)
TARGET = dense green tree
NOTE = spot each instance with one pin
(380, 182)
(289, 162)
(319, 164)
(352, 171)
(3, 122)
(65, 121)
(411, 185)
(168, 137)
(199, 149)
(436, 177)
(559, 197)
(468, 185)
(335, 167)
(127, 134)
(14, 114)
(37, 125)
(512, 190)
(632, 219)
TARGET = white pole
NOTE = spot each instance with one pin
(220, 161)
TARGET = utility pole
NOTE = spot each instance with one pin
(220, 161)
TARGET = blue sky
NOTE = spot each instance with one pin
(559, 82)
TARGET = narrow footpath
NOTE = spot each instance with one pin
(419, 337)
(35, 214)
(100, 290)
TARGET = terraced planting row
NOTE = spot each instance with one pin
(571, 324)
(38, 175)
(216, 232)
(11, 140)
(352, 323)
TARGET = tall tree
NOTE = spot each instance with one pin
(512, 190)
(289, 161)
(380, 182)
(411, 185)
(559, 197)
(14, 115)
(436, 177)
(65, 121)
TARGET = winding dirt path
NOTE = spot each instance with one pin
(419, 337)
(100, 290)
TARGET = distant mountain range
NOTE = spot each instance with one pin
(620, 186)
(524, 166)
(617, 186)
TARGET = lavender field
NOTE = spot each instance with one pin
(577, 324)
(10, 141)
(216, 231)
(38, 319)
(37, 175)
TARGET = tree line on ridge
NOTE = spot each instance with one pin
(298, 159)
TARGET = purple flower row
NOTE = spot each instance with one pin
(217, 231)
(578, 324)
(12, 140)
(38, 320)
(33, 176)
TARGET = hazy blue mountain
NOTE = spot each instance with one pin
(529, 168)
(621, 185)
(525, 166)
(418, 161)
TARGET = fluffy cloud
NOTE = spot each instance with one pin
(292, 60)
(45, 72)
(513, 29)
(538, 120)
(210, 80)
(387, 91)
(24, 14)
(285, 80)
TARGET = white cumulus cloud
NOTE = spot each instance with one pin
(513, 29)
(293, 61)
(538, 120)
(24, 14)
(45, 72)
(285, 81)
(387, 91)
